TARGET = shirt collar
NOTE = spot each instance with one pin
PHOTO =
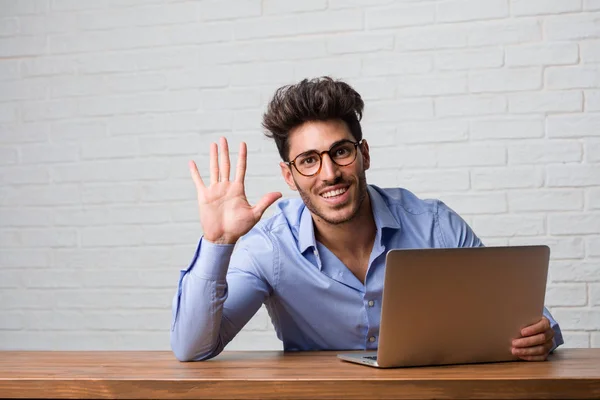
(381, 213)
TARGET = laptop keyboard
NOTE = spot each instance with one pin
(374, 358)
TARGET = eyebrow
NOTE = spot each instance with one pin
(317, 151)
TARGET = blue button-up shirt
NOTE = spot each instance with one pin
(314, 301)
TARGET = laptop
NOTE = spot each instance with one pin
(457, 306)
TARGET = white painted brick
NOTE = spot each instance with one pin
(130, 61)
(513, 79)
(25, 217)
(592, 150)
(592, 199)
(171, 190)
(572, 175)
(214, 9)
(74, 217)
(476, 203)
(572, 27)
(592, 100)
(8, 156)
(566, 295)
(537, 7)
(488, 57)
(394, 64)
(592, 246)
(400, 110)
(184, 143)
(414, 14)
(508, 225)
(551, 151)
(573, 125)
(562, 247)
(24, 175)
(432, 37)
(9, 27)
(12, 321)
(48, 66)
(111, 236)
(185, 212)
(16, 7)
(434, 180)
(595, 294)
(74, 5)
(402, 157)
(171, 234)
(432, 131)
(507, 178)
(271, 7)
(433, 84)
(585, 319)
(595, 340)
(305, 23)
(469, 10)
(580, 340)
(43, 195)
(25, 258)
(545, 200)
(542, 54)
(545, 102)
(181, 100)
(49, 110)
(40, 25)
(574, 224)
(506, 128)
(9, 70)
(23, 90)
(261, 74)
(38, 238)
(94, 193)
(103, 85)
(19, 46)
(341, 67)
(359, 43)
(24, 132)
(215, 99)
(109, 148)
(470, 155)
(209, 121)
(572, 77)
(374, 89)
(8, 113)
(110, 171)
(505, 32)
(590, 52)
(77, 130)
(334, 4)
(175, 13)
(591, 5)
(470, 105)
(48, 153)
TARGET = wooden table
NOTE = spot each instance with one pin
(570, 373)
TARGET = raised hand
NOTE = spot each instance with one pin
(225, 213)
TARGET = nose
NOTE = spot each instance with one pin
(329, 169)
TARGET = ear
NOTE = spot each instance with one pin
(286, 172)
(364, 150)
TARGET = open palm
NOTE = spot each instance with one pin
(225, 213)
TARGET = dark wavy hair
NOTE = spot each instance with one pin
(318, 99)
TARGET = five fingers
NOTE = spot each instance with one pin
(220, 166)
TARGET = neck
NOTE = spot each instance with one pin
(352, 237)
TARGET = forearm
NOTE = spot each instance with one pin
(196, 332)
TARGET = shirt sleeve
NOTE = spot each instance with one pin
(455, 232)
(217, 295)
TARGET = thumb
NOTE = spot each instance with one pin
(264, 203)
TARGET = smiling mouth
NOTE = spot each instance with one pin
(334, 193)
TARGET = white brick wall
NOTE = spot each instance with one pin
(491, 105)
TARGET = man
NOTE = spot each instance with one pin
(318, 263)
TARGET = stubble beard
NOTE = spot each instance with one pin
(322, 214)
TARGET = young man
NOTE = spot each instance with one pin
(318, 263)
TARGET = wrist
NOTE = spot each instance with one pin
(221, 239)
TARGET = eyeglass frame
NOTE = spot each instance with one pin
(320, 154)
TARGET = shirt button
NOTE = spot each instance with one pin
(371, 303)
(372, 339)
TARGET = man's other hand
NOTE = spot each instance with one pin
(535, 343)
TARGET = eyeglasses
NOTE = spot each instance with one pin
(342, 153)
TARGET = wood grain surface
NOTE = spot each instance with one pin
(569, 373)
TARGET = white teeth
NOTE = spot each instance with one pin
(334, 193)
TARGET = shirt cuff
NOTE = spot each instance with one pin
(211, 260)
